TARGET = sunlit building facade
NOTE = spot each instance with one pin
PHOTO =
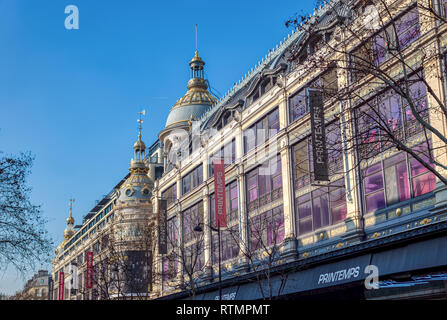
(316, 239)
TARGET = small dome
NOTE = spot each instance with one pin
(70, 220)
(196, 100)
(196, 60)
(139, 145)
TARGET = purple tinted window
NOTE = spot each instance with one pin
(264, 184)
(165, 269)
(298, 105)
(275, 229)
(253, 195)
(424, 183)
(375, 201)
(407, 28)
(339, 214)
(372, 169)
(409, 36)
(273, 119)
(250, 138)
(402, 181)
(373, 182)
(390, 108)
(380, 49)
(277, 182)
(305, 226)
(416, 167)
(317, 213)
(252, 181)
(260, 133)
(324, 210)
(304, 209)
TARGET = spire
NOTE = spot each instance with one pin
(69, 231)
(137, 163)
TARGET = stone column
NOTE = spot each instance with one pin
(354, 220)
(289, 250)
(179, 185)
(243, 221)
(157, 271)
(207, 234)
(180, 246)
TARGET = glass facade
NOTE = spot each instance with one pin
(192, 180)
(262, 130)
(170, 194)
(319, 206)
(264, 184)
(227, 153)
(229, 236)
(396, 179)
(266, 229)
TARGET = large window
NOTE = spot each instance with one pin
(232, 203)
(192, 180)
(264, 184)
(303, 156)
(396, 179)
(170, 260)
(267, 228)
(193, 240)
(322, 206)
(170, 194)
(388, 115)
(326, 82)
(229, 235)
(383, 45)
(192, 217)
(226, 153)
(262, 130)
(229, 239)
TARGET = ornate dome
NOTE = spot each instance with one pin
(196, 100)
(138, 186)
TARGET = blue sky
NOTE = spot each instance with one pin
(71, 97)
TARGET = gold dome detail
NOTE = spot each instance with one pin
(197, 86)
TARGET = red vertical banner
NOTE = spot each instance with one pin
(89, 278)
(61, 285)
(219, 193)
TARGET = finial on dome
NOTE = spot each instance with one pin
(139, 145)
(69, 231)
(137, 164)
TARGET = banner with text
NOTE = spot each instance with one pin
(61, 285)
(219, 193)
(320, 157)
(162, 227)
(89, 279)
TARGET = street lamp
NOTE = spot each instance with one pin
(198, 228)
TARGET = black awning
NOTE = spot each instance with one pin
(228, 293)
(415, 256)
(332, 274)
(252, 290)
